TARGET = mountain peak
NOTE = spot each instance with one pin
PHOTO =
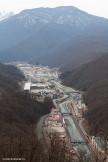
(4, 15)
(68, 15)
(34, 33)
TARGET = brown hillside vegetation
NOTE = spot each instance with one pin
(20, 108)
(19, 114)
(92, 78)
(10, 76)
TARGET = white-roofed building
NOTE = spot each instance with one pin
(27, 86)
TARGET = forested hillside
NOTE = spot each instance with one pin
(19, 114)
(10, 76)
(93, 79)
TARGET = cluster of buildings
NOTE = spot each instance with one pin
(55, 124)
(37, 71)
(37, 87)
(56, 127)
(101, 146)
(79, 106)
(38, 79)
(40, 90)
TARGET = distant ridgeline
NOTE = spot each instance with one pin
(63, 37)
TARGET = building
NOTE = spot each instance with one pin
(36, 88)
(57, 128)
(55, 124)
(27, 86)
(99, 143)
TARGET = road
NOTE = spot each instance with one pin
(41, 134)
(63, 88)
(63, 108)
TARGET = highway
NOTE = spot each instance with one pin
(63, 88)
(41, 133)
(63, 108)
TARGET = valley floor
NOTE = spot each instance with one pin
(70, 110)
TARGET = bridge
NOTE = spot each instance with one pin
(64, 114)
(78, 142)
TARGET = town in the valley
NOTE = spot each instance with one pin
(66, 118)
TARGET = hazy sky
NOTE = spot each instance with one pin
(96, 7)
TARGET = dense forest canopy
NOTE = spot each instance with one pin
(10, 76)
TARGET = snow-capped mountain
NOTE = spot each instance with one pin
(36, 32)
(4, 15)
(65, 21)
(60, 15)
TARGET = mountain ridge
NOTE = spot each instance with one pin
(36, 35)
(4, 15)
(27, 22)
